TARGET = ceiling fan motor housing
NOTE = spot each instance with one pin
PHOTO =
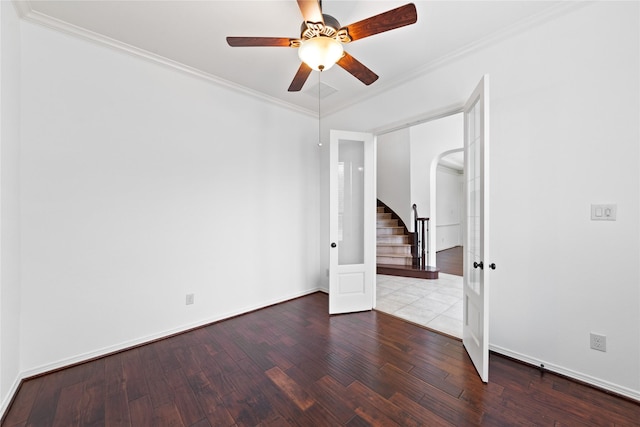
(329, 28)
(320, 44)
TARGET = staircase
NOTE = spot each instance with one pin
(395, 247)
(393, 240)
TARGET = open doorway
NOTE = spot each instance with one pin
(426, 168)
(447, 206)
(476, 236)
(448, 202)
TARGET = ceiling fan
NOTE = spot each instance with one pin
(320, 45)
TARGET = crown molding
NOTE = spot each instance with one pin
(27, 13)
(30, 15)
(514, 29)
(23, 7)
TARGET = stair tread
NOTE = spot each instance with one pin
(393, 242)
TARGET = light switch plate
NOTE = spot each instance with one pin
(607, 212)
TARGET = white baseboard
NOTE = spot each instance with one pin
(596, 382)
(63, 363)
(605, 385)
(9, 397)
(160, 335)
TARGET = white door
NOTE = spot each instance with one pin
(352, 223)
(475, 329)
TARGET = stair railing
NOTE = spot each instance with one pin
(421, 238)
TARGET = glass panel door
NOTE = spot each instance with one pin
(351, 222)
(475, 326)
(351, 202)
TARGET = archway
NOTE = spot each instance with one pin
(458, 164)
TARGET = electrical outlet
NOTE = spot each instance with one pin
(190, 298)
(598, 342)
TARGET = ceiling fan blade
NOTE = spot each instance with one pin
(311, 11)
(258, 41)
(390, 20)
(357, 69)
(300, 78)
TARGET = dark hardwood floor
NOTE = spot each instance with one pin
(450, 260)
(293, 364)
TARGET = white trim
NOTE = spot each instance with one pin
(452, 224)
(579, 376)
(13, 390)
(105, 351)
(518, 27)
(623, 391)
(419, 119)
(62, 363)
(26, 12)
(30, 15)
(448, 169)
(22, 7)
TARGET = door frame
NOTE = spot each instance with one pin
(437, 115)
(417, 120)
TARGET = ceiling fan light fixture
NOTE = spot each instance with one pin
(321, 52)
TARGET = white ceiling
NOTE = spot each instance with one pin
(191, 35)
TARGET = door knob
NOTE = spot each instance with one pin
(333, 244)
(478, 264)
(492, 266)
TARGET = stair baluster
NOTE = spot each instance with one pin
(400, 252)
(421, 232)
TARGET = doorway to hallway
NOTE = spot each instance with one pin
(450, 261)
(475, 283)
(438, 188)
(435, 304)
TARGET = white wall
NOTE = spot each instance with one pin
(141, 184)
(428, 142)
(9, 202)
(405, 157)
(565, 131)
(405, 161)
(449, 197)
(131, 174)
(393, 174)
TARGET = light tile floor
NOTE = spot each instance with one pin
(436, 304)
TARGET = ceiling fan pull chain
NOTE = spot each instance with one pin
(319, 116)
